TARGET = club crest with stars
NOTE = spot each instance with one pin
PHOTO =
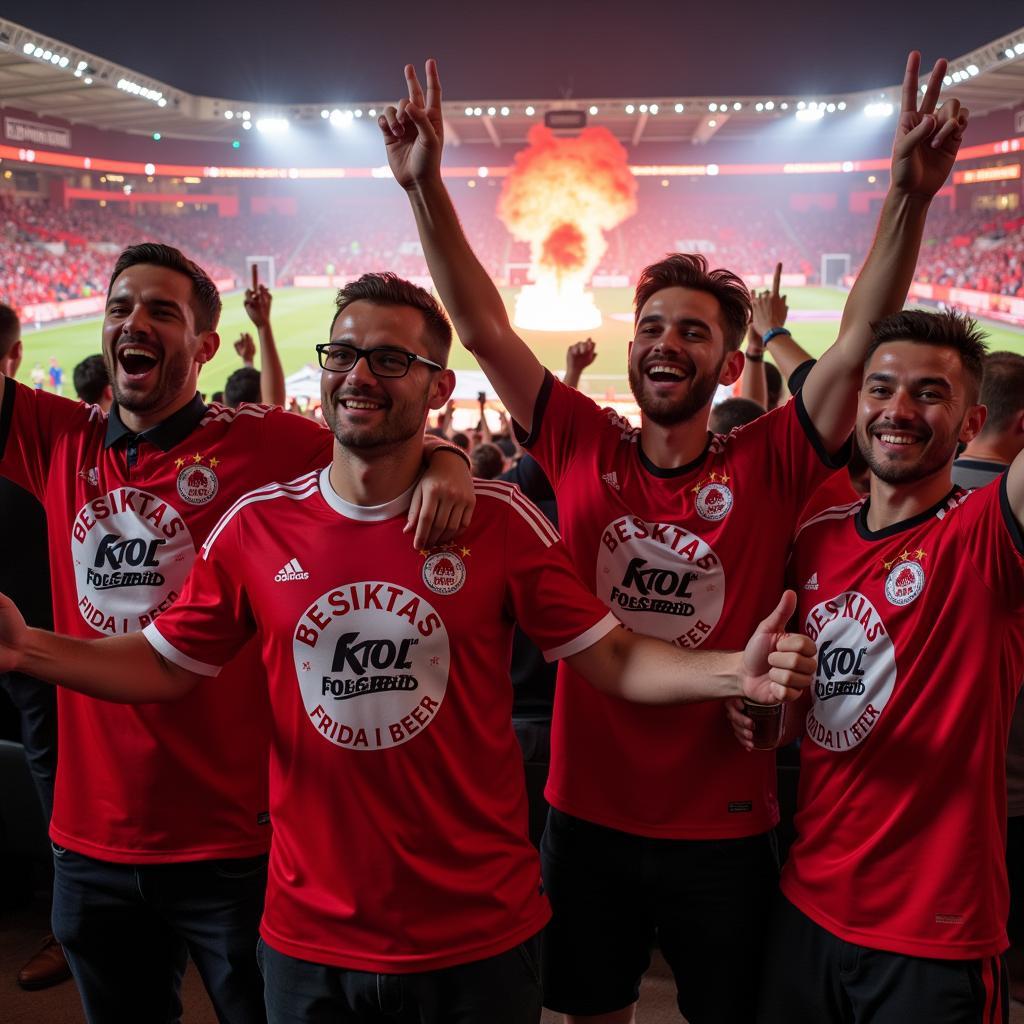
(444, 571)
(197, 483)
(906, 576)
(713, 497)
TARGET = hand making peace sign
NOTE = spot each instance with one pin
(414, 130)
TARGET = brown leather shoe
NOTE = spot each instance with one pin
(48, 967)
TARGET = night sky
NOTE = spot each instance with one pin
(343, 51)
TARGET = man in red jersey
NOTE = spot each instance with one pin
(685, 537)
(894, 898)
(402, 879)
(160, 821)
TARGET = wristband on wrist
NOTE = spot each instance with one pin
(774, 332)
(759, 358)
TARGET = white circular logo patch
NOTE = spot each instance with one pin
(660, 580)
(856, 671)
(444, 573)
(904, 582)
(197, 484)
(372, 664)
(132, 552)
(713, 502)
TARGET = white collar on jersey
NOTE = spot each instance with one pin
(367, 513)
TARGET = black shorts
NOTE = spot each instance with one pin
(614, 895)
(813, 977)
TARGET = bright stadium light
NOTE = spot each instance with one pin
(246, 116)
(38, 52)
(491, 111)
(972, 70)
(481, 172)
(784, 106)
(82, 65)
(882, 109)
(228, 114)
(505, 111)
(478, 111)
(272, 125)
(469, 111)
(1018, 48)
(643, 108)
(841, 104)
(712, 107)
(759, 107)
(359, 111)
(831, 108)
(770, 105)
(712, 123)
(530, 111)
(712, 169)
(680, 108)
(801, 105)
(29, 47)
(737, 105)
(325, 114)
(630, 108)
(653, 108)
(1008, 53)
(810, 114)
(593, 110)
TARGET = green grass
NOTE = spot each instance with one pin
(302, 318)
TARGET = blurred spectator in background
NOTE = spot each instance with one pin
(984, 460)
(242, 386)
(92, 382)
(56, 376)
(732, 413)
(487, 461)
(25, 578)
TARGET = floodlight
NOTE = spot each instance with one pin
(783, 106)
(88, 81)
(643, 108)
(847, 165)
(831, 108)
(271, 125)
(1018, 48)
(972, 70)
(359, 111)
(228, 114)
(810, 114)
(47, 54)
(469, 111)
(801, 105)
(481, 172)
(712, 123)
(477, 111)
(881, 109)
(82, 65)
(530, 111)
(149, 169)
(505, 111)
(630, 108)
(325, 114)
(759, 107)
(371, 112)
(770, 105)
(157, 136)
(29, 47)
(842, 104)
(593, 111)
(712, 169)
(64, 62)
(680, 108)
(737, 105)
(712, 107)
(653, 108)
(491, 111)
(161, 102)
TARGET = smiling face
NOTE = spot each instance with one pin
(914, 410)
(151, 346)
(369, 412)
(679, 357)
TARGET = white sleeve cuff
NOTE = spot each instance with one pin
(584, 640)
(160, 644)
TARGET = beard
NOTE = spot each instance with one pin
(402, 421)
(172, 374)
(667, 412)
(937, 453)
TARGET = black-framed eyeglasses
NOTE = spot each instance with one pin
(340, 357)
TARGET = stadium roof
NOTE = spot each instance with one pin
(45, 76)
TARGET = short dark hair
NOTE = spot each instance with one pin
(732, 413)
(242, 386)
(690, 270)
(949, 329)
(773, 381)
(460, 440)
(1002, 390)
(389, 289)
(91, 379)
(487, 461)
(10, 330)
(206, 302)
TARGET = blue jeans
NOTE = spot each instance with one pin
(502, 989)
(128, 930)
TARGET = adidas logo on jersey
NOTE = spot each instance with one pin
(292, 571)
(611, 479)
(812, 583)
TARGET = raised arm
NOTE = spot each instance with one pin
(924, 149)
(257, 304)
(125, 669)
(775, 665)
(413, 135)
(577, 358)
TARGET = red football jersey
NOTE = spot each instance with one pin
(397, 788)
(902, 810)
(694, 555)
(151, 782)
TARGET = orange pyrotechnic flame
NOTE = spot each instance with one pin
(561, 196)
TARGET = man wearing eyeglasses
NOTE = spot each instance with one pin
(160, 822)
(402, 882)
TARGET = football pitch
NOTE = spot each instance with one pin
(302, 317)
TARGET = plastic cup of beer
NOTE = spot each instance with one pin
(766, 723)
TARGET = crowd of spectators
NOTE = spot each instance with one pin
(52, 253)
